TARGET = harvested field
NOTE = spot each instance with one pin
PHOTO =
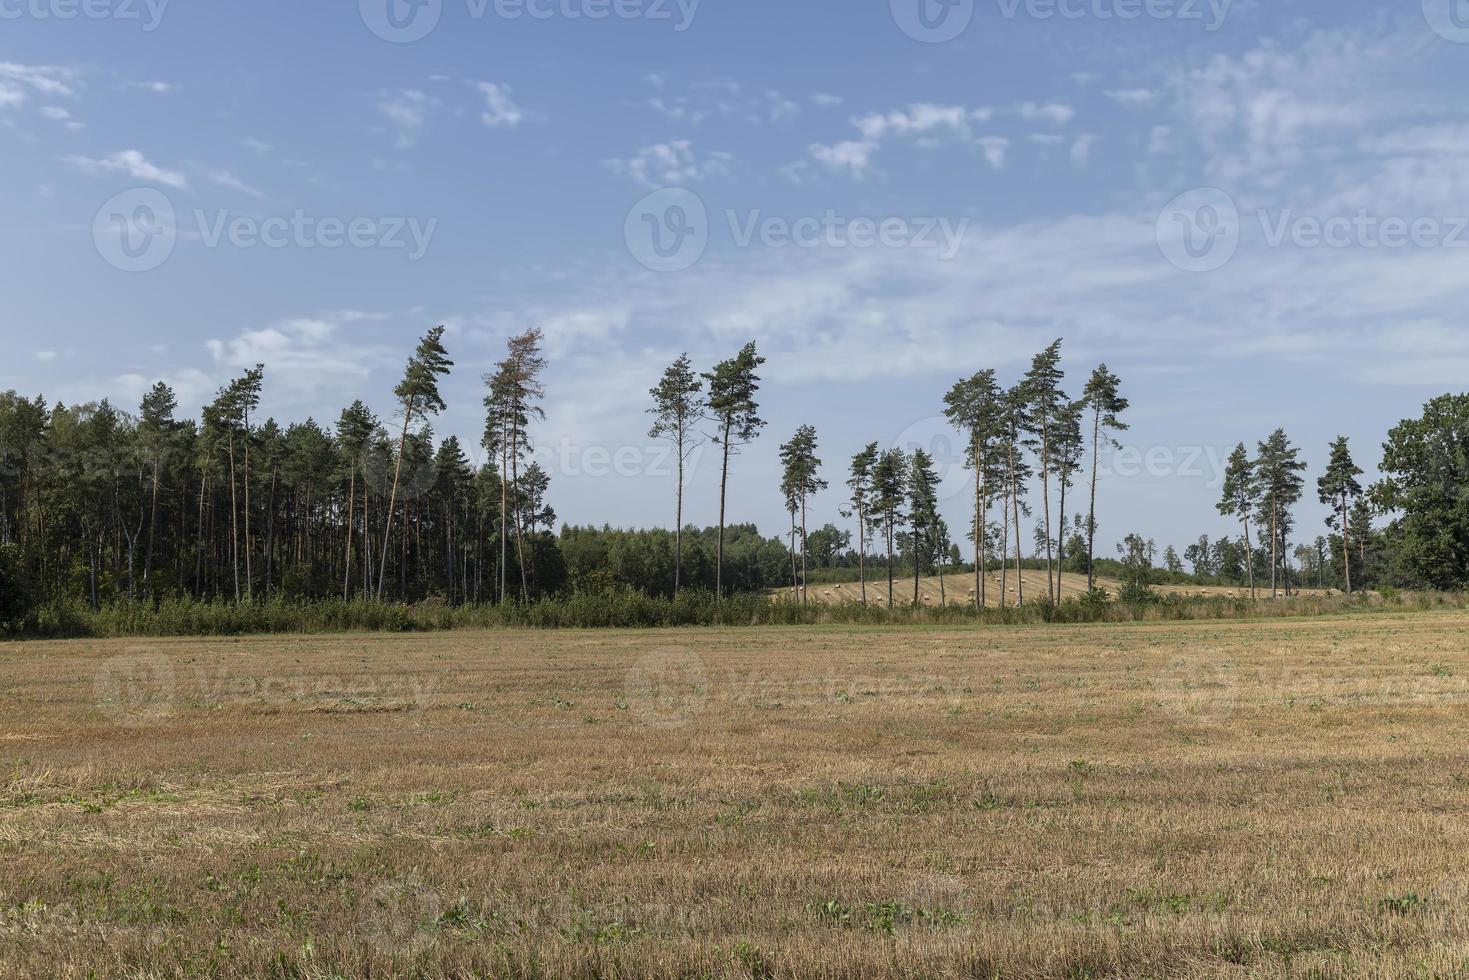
(1212, 799)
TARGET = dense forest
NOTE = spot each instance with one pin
(99, 504)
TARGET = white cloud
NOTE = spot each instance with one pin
(994, 148)
(1081, 150)
(306, 359)
(500, 110)
(130, 162)
(1057, 113)
(258, 147)
(852, 156)
(41, 79)
(672, 163)
(826, 100)
(918, 118)
(156, 88)
(226, 179)
(1132, 96)
(407, 112)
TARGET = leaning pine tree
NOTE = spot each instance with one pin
(1102, 398)
(418, 396)
(733, 385)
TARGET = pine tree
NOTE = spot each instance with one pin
(1278, 475)
(733, 385)
(678, 408)
(860, 482)
(923, 515)
(1240, 499)
(1103, 399)
(1338, 487)
(889, 487)
(418, 397)
(1046, 405)
(973, 406)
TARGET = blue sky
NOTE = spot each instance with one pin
(1037, 173)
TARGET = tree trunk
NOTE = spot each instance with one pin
(805, 597)
(1061, 540)
(1046, 505)
(1346, 547)
(678, 522)
(382, 574)
(719, 547)
(234, 527)
(351, 519)
(1091, 519)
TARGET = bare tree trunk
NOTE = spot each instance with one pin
(351, 519)
(678, 522)
(805, 597)
(382, 575)
(1061, 540)
(1250, 557)
(719, 548)
(234, 527)
(1046, 504)
(1091, 519)
(862, 550)
(1346, 547)
(519, 530)
(152, 526)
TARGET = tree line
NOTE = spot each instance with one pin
(101, 504)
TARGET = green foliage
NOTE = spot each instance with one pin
(16, 600)
(1426, 467)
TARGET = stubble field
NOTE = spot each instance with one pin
(1287, 798)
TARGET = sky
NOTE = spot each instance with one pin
(1254, 212)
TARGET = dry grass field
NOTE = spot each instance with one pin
(959, 589)
(1212, 799)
